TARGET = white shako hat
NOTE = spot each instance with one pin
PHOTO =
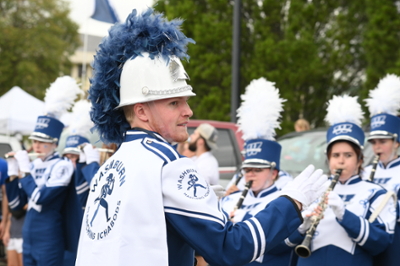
(144, 79)
(259, 115)
(344, 115)
(79, 129)
(139, 61)
(60, 97)
(384, 105)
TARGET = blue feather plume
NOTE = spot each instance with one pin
(149, 32)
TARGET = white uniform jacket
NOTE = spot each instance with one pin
(148, 206)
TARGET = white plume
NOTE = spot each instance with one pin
(61, 96)
(260, 110)
(344, 109)
(385, 98)
(80, 120)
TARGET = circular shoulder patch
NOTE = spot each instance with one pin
(192, 186)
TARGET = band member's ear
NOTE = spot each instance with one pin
(141, 112)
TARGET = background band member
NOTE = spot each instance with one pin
(85, 157)
(383, 105)
(43, 184)
(258, 118)
(139, 96)
(345, 235)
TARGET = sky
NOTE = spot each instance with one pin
(81, 10)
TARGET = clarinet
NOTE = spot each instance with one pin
(374, 166)
(303, 250)
(244, 193)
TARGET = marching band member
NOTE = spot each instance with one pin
(86, 163)
(384, 104)
(85, 157)
(43, 183)
(147, 205)
(237, 182)
(258, 118)
(346, 235)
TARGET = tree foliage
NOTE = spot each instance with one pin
(311, 49)
(36, 40)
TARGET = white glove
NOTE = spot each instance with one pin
(12, 166)
(307, 219)
(92, 154)
(23, 161)
(238, 216)
(337, 204)
(82, 157)
(307, 186)
(218, 190)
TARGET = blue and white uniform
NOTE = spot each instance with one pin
(3, 171)
(279, 255)
(45, 190)
(353, 240)
(151, 207)
(78, 192)
(389, 178)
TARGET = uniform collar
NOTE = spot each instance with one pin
(352, 180)
(265, 192)
(54, 155)
(391, 164)
(140, 133)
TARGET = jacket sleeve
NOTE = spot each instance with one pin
(17, 197)
(89, 171)
(376, 236)
(59, 178)
(192, 209)
(83, 175)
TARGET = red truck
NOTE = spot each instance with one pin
(230, 145)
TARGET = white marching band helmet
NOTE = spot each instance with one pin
(139, 85)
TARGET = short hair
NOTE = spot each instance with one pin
(129, 113)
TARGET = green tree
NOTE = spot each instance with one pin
(209, 23)
(312, 50)
(36, 40)
(381, 41)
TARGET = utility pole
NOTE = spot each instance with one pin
(235, 60)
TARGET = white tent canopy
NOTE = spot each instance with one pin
(18, 112)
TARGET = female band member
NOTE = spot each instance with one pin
(383, 104)
(345, 236)
(261, 164)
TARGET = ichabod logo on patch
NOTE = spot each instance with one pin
(253, 148)
(102, 212)
(342, 129)
(378, 121)
(191, 186)
(42, 123)
(72, 141)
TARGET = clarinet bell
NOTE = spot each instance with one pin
(303, 250)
